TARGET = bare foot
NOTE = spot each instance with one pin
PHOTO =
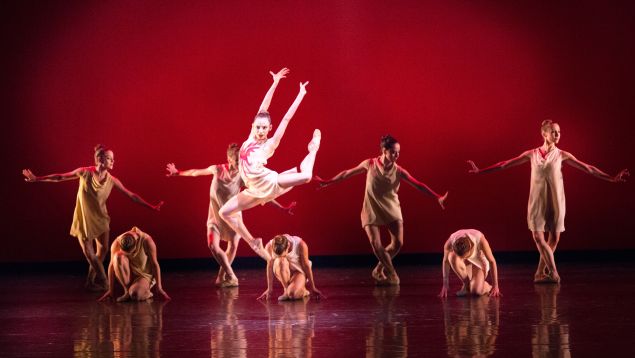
(314, 144)
(125, 297)
(283, 298)
(462, 292)
(232, 282)
(378, 273)
(548, 279)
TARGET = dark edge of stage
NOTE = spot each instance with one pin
(337, 261)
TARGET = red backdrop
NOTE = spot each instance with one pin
(171, 82)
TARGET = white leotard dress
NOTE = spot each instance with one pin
(477, 258)
(546, 207)
(260, 182)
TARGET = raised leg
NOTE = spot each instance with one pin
(290, 179)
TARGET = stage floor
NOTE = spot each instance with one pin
(590, 314)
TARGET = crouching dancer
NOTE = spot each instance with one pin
(133, 261)
(290, 264)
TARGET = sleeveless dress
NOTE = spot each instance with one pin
(260, 182)
(138, 259)
(381, 203)
(224, 186)
(293, 256)
(477, 258)
(91, 218)
(546, 207)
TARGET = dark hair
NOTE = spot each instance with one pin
(462, 245)
(280, 243)
(100, 152)
(127, 242)
(263, 114)
(232, 149)
(387, 142)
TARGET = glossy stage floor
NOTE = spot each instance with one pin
(590, 314)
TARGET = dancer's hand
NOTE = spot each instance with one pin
(172, 171)
(163, 294)
(107, 296)
(158, 206)
(619, 178)
(321, 182)
(474, 169)
(303, 87)
(442, 200)
(29, 176)
(317, 294)
(495, 292)
(444, 292)
(280, 75)
(289, 209)
(265, 295)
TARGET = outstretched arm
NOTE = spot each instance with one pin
(362, 167)
(135, 197)
(173, 172)
(151, 249)
(287, 209)
(495, 292)
(445, 269)
(267, 294)
(306, 267)
(505, 164)
(31, 178)
(590, 169)
(264, 106)
(282, 127)
(423, 187)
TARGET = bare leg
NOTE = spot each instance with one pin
(542, 272)
(395, 229)
(230, 252)
(221, 258)
(297, 287)
(478, 285)
(140, 290)
(121, 266)
(546, 254)
(290, 179)
(378, 249)
(283, 274)
(230, 212)
(93, 260)
(458, 266)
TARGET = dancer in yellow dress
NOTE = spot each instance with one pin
(134, 263)
(225, 185)
(262, 184)
(91, 223)
(546, 205)
(381, 204)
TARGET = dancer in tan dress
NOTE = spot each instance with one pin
(225, 185)
(91, 222)
(469, 255)
(134, 264)
(546, 205)
(381, 204)
(290, 264)
(262, 184)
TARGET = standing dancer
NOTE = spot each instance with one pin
(546, 207)
(381, 204)
(91, 222)
(290, 264)
(469, 255)
(262, 184)
(226, 184)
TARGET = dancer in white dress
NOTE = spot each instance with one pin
(290, 264)
(469, 255)
(546, 207)
(263, 185)
(226, 184)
